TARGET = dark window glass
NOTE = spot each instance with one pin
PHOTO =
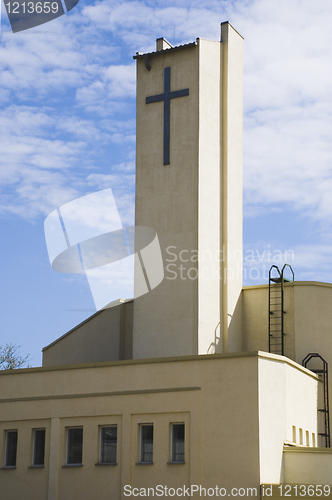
(108, 442)
(178, 443)
(147, 443)
(11, 448)
(75, 446)
(38, 447)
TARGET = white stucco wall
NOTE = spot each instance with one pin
(287, 398)
(232, 181)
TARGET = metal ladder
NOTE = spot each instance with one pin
(276, 309)
(325, 410)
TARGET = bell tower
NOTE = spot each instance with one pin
(189, 190)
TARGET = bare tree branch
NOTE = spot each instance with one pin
(10, 358)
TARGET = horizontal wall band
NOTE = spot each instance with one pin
(101, 394)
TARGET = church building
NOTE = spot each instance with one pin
(197, 387)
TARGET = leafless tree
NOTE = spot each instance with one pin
(10, 358)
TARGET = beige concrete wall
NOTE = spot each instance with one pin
(105, 336)
(287, 398)
(307, 466)
(165, 319)
(126, 330)
(256, 318)
(313, 319)
(222, 399)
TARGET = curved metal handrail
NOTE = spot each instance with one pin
(283, 269)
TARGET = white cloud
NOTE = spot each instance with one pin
(37, 193)
(105, 95)
(37, 163)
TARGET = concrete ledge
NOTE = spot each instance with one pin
(147, 361)
(306, 449)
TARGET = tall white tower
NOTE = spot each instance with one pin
(189, 189)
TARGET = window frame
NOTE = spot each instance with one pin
(173, 424)
(101, 427)
(7, 432)
(141, 442)
(73, 464)
(34, 447)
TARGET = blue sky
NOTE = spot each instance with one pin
(67, 121)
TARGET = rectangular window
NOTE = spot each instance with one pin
(38, 447)
(294, 433)
(313, 440)
(11, 449)
(177, 443)
(74, 445)
(146, 454)
(301, 436)
(108, 444)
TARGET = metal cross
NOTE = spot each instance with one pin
(166, 97)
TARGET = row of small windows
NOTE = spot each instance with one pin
(303, 437)
(107, 449)
(177, 443)
(108, 445)
(38, 452)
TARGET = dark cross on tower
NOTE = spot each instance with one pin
(166, 97)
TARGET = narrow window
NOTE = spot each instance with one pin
(11, 449)
(74, 445)
(313, 440)
(178, 442)
(307, 438)
(38, 447)
(108, 444)
(294, 433)
(301, 435)
(146, 455)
